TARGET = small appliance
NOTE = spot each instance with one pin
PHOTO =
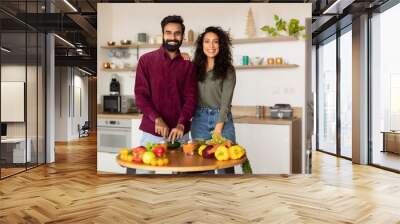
(114, 86)
(281, 111)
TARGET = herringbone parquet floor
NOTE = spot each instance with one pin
(70, 191)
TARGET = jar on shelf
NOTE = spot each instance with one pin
(270, 61)
(279, 60)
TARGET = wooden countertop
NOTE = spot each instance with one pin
(265, 120)
(179, 162)
(119, 116)
(236, 119)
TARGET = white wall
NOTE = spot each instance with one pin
(68, 80)
(80, 84)
(279, 85)
(61, 103)
(254, 87)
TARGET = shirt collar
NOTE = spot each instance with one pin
(165, 54)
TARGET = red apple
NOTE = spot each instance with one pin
(159, 151)
(137, 154)
(140, 149)
(137, 157)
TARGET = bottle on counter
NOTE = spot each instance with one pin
(259, 111)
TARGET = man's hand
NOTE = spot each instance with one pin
(185, 56)
(161, 128)
(176, 133)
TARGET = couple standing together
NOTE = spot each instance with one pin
(176, 95)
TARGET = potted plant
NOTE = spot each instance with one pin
(246, 167)
(292, 28)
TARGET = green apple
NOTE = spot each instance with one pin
(148, 157)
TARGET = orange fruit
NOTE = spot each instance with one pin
(129, 158)
(153, 162)
(166, 161)
(124, 151)
(160, 162)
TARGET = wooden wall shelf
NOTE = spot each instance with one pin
(130, 69)
(265, 66)
(239, 67)
(263, 40)
(184, 44)
(191, 44)
(120, 46)
(136, 45)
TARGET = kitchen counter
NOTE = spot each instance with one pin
(265, 120)
(236, 119)
(273, 145)
(119, 116)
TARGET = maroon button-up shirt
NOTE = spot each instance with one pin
(165, 88)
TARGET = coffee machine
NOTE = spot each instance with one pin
(114, 86)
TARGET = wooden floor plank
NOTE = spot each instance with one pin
(71, 191)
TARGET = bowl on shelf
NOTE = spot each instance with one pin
(106, 65)
(111, 43)
(126, 42)
(256, 60)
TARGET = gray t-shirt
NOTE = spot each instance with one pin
(217, 93)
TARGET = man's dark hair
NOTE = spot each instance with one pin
(173, 19)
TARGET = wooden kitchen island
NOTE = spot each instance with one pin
(179, 162)
(273, 146)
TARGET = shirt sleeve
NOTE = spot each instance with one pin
(143, 93)
(228, 86)
(190, 97)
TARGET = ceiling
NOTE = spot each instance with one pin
(77, 22)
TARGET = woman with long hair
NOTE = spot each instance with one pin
(216, 83)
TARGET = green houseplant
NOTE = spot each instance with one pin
(292, 28)
(246, 167)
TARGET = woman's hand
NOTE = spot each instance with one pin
(186, 56)
(218, 129)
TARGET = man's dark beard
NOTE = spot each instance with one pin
(171, 47)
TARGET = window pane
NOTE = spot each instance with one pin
(13, 85)
(327, 97)
(385, 86)
(41, 98)
(31, 97)
(346, 94)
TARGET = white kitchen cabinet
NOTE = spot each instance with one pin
(136, 133)
(268, 147)
(106, 163)
(114, 132)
